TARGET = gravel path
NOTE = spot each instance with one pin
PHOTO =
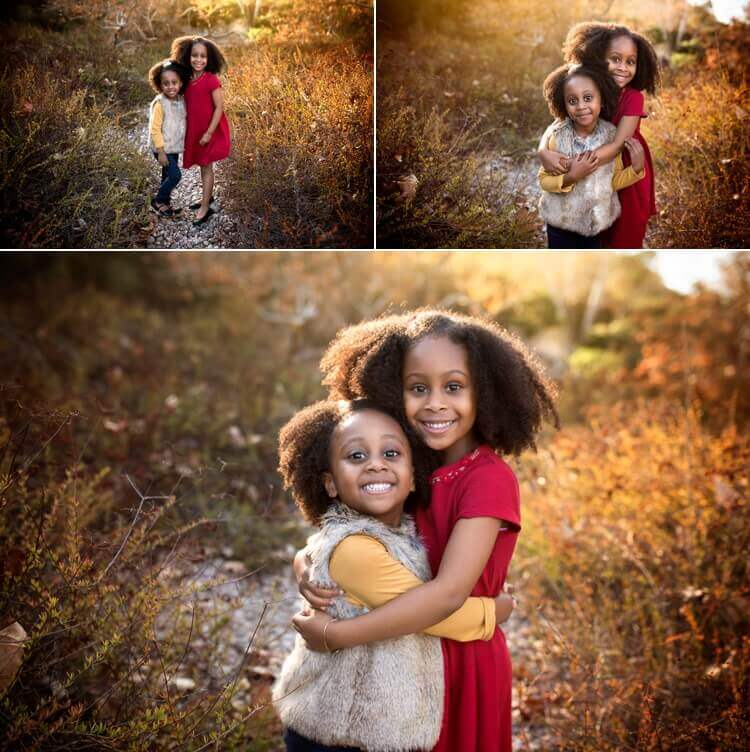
(517, 176)
(223, 230)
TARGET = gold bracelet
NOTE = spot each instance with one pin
(325, 641)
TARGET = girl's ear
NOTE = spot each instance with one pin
(330, 485)
(413, 486)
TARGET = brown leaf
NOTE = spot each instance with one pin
(11, 653)
(408, 187)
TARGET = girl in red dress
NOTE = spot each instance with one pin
(207, 136)
(470, 391)
(632, 63)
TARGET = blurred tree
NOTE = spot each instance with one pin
(397, 16)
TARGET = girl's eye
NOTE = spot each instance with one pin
(454, 387)
(356, 455)
(391, 453)
(418, 388)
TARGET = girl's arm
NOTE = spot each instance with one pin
(218, 97)
(370, 576)
(317, 597)
(468, 550)
(625, 129)
(553, 162)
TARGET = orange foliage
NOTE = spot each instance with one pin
(636, 530)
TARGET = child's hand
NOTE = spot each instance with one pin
(310, 625)
(162, 159)
(637, 155)
(504, 605)
(582, 165)
(554, 162)
(320, 598)
(205, 138)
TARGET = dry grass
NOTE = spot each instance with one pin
(302, 131)
(700, 140)
(68, 176)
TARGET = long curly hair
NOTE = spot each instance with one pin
(182, 46)
(587, 43)
(304, 446)
(554, 88)
(513, 395)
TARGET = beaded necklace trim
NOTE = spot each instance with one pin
(457, 471)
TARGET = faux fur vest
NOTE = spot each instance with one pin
(383, 697)
(592, 205)
(174, 124)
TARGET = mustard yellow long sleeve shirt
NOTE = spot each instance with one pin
(370, 576)
(155, 126)
(623, 177)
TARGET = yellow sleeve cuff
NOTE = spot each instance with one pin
(625, 176)
(370, 576)
(553, 183)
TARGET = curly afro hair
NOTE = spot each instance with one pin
(182, 46)
(554, 88)
(513, 395)
(154, 74)
(304, 445)
(587, 43)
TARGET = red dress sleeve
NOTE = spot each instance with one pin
(490, 490)
(632, 103)
(214, 82)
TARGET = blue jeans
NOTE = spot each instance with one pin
(559, 238)
(170, 176)
(296, 743)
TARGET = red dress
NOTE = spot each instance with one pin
(637, 200)
(200, 109)
(477, 711)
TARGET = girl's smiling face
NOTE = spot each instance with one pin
(440, 397)
(170, 84)
(622, 60)
(370, 465)
(198, 57)
(583, 102)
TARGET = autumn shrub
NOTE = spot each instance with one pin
(432, 192)
(68, 176)
(122, 650)
(634, 550)
(302, 134)
(701, 162)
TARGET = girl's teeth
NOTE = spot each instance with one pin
(438, 426)
(377, 487)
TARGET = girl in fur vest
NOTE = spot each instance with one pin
(349, 467)
(166, 129)
(580, 204)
